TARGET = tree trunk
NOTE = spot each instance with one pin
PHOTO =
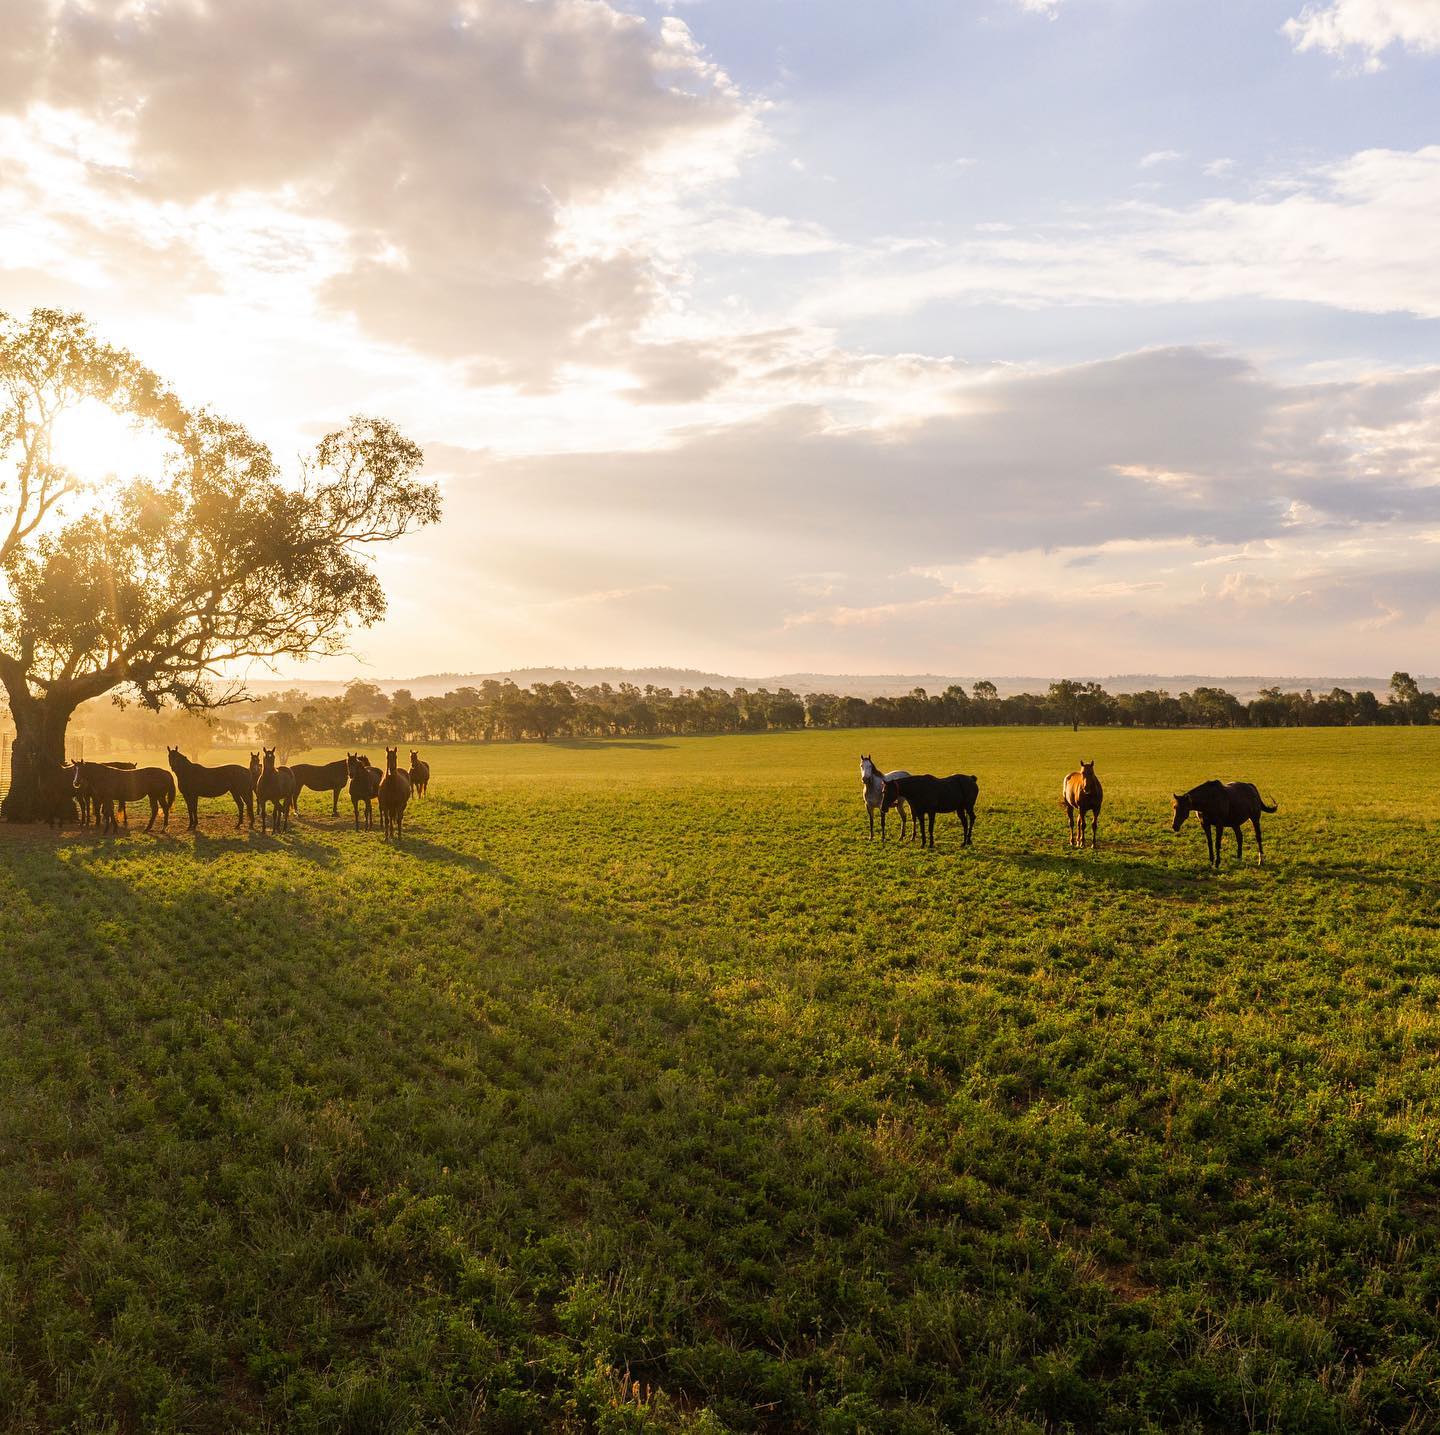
(36, 793)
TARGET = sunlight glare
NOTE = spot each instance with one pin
(100, 446)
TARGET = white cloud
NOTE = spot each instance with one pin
(1157, 157)
(436, 162)
(1356, 234)
(1370, 26)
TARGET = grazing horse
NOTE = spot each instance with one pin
(1221, 805)
(328, 777)
(394, 794)
(929, 795)
(364, 786)
(1081, 792)
(275, 792)
(197, 782)
(872, 787)
(109, 785)
(419, 774)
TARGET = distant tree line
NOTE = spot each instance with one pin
(497, 711)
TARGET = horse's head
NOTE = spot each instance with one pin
(890, 793)
(392, 758)
(867, 769)
(1180, 802)
(1087, 775)
(174, 756)
(414, 757)
(354, 764)
(269, 762)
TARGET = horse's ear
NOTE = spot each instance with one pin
(1176, 796)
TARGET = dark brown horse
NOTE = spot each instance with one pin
(328, 777)
(89, 806)
(197, 782)
(419, 774)
(394, 794)
(1081, 792)
(1221, 805)
(364, 786)
(109, 785)
(275, 792)
(929, 795)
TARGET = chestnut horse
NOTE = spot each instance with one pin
(394, 794)
(1081, 792)
(1221, 805)
(197, 782)
(109, 785)
(419, 774)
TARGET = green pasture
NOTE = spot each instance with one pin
(638, 1091)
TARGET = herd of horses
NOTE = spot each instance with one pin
(1220, 806)
(101, 789)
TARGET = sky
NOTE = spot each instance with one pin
(762, 336)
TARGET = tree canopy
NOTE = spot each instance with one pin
(154, 587)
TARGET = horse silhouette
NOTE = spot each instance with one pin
(197, 781)
(394, 794)
(109, 785)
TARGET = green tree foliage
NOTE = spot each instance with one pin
(151, 588)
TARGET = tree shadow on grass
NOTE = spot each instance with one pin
(426, 851)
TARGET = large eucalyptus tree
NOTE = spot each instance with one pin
(154, 587)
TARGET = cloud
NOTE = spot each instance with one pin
(1127, 493)
(1158, 157)
(437, 162)
(1355, 234)
(1370, 26)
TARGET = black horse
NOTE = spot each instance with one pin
(1221, 805)
(197, 782)
(928, 795)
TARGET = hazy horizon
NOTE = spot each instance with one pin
(1028, 336)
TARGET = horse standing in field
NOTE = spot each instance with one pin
(197, 782)
(394, 794)
(1081, 792)
(328, 777)
(275, 792)
(89, 806)
(109, 785)
(1221, 805)
(929, 795)
(419, 774)
(364, 786)
(872, 787)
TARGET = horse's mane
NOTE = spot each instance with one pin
(1214, 785)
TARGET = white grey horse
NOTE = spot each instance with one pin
(872, 784)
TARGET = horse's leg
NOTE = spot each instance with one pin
(1209, 844)
(870, 813)
(334, 806)
(1259, 841)
(1239, 843)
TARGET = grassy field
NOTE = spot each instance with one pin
(638, 1091)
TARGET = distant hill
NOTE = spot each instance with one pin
(862, 685)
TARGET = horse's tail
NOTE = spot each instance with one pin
(1274, 807)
